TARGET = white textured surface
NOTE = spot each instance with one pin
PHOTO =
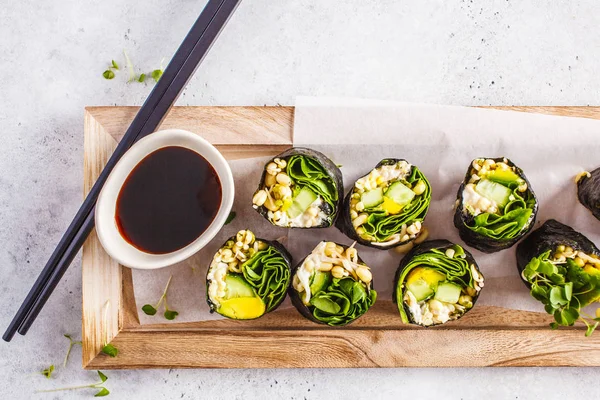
(53, 53)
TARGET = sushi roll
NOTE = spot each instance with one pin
(332, 285)
(386, 207)
(561, 267)
(437, 281)
(248, 277)
(495, 205)
(588, 191)
(300, 188)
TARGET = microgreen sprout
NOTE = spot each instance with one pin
(156, 74)
(230, 218)
(115, 65)
(142, 78)
(149, 309)
(108, 348)
(108, 74)
(98, 385)
(129, 65)
(71, 344)
(48, 371)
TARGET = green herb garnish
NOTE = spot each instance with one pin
(149, 309)
(71, 344)
(48, 371)
(108, 349)
(115, 65)
(98, 385)
(108, 74)
(564, 288)
(156, 74)
(230, 218)
(142, 78)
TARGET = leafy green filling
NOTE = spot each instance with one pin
(380, 225)
(456, 269)
(306, 171)
(511, 219)
(342, 301)
(268, 273)
(564, 288)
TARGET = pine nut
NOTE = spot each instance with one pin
(337, 272)
(361, 219)
(364, 274)
(325, 266)
(411, 230)
(283, 179)
(259, 198)
(450, 253)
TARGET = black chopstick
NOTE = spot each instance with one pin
(193, 49)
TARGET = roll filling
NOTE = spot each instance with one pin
(496, 205)
(437, 282)
(247, 277)
(332, 285)
(300, 188)
(386, 208)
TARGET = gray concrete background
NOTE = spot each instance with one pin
(52, 55)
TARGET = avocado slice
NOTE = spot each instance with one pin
(319, 281)
(401, 194)
(447, 292)
(372, 198)
(493, 191)
(240, 300)
(505, 177)
(302, 201)
(423, 282)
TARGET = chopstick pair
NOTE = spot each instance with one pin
(189, 55)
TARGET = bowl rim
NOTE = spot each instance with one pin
(106, 227)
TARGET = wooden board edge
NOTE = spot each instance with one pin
(101, 276)
(353, 349)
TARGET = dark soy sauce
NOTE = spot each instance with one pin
(168, 200)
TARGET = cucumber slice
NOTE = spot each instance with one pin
(447, 292)
(319, 282)
(372, 198)
(236, 286)
(302, 201)
(493, 191)
(401, 194)
(423, 281)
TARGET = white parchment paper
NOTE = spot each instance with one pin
(441, 141)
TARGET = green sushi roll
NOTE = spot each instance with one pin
(332, 285)
(561, 267)
(495, 205)
(588, 191)
(386, 207)
(436, 282)
(248, 277)
(300, 188)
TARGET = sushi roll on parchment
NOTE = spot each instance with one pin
(495, 205)
(562, 269)
(332, 285)
(248, 277)
(588, 191)
(437, 281)
(300, 188)
(386, 208)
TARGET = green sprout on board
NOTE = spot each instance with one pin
(48, 371)
(108, 348)
(71, 344)
(149, 309)
(98, 385)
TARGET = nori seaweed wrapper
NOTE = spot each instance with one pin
(547, 237)
(307, 311)
(462, 276)
(272, 298)
(414, 211)
(588, 192)
(334, 173)
(482, 242)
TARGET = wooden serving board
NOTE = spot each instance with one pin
(486, 336)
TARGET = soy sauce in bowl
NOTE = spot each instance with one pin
(168, 200)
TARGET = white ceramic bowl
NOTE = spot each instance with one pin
(106, 227)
